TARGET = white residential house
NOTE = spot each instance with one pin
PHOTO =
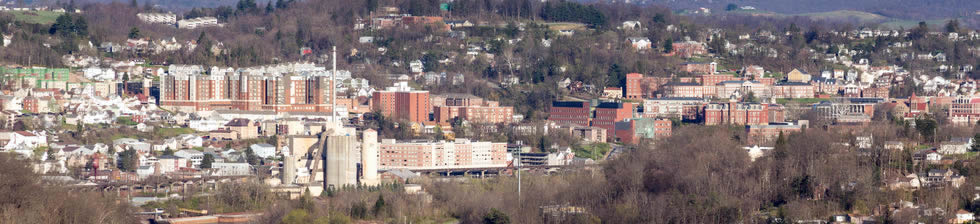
(169, 164)
(165, 18)
(191, 155)
(145, 171)
(640, 43)
(197, 22)
(205, 125)
(190, 141)
(23, 140)
(756, 151)
(416, 66)
(956, 146)
(263, 150)
(894, 145)
(631, 25)
(963, 216)
(7, 39)
(231, 169)
(864, 142)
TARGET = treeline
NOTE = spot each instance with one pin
(573, 12)
(24, 198)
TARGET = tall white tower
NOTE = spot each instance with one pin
(289, 167)
(340, 162)
(369, 158)
(333, 85)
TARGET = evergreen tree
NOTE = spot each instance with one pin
(976, 143)
(496, 217)
(371, 5)
(250, 157)
(379, 205)
(134, 33)
(952, 26)
(207, 161)
(731, 7)
(668, 45)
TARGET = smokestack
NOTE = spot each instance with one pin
(369, 157)
(333, 94)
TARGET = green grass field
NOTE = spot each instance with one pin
(36, 17)
(914, 23)
(862, 17)
(593, 151)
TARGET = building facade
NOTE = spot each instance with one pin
(309, 91)
(401, 102)
(423, 154)
(570, 113)
(736, 113)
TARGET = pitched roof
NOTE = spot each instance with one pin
(238, 122)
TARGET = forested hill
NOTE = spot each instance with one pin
(901, 9)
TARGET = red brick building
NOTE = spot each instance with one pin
(570, 112)
(793, 90)
(688, 48)
(30, 103)
(965, 111)
(736, 113)
(292, 92)
(607, 114)
(703, 68)
(687, 89)
(712, 79)
(769, 132)
(402, 104)
(470, 108)
(633, 90)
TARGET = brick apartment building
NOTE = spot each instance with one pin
(570, 113)
(673, 107)
(712, 79)
(633, 89)
(426, 154)
(793, 90)
(401, 102)
(703, 68)
(736, 113)
(687, 49)
(31, 104)
(965, 111)
(470, 108)
(608, 113)
(688, 89)
(289, 92)
(771, 131)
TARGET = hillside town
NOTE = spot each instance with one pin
(851, 125)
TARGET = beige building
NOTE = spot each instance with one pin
(797, 76)
(423, 154)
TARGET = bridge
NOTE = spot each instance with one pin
(164, 184)
(484, 171)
